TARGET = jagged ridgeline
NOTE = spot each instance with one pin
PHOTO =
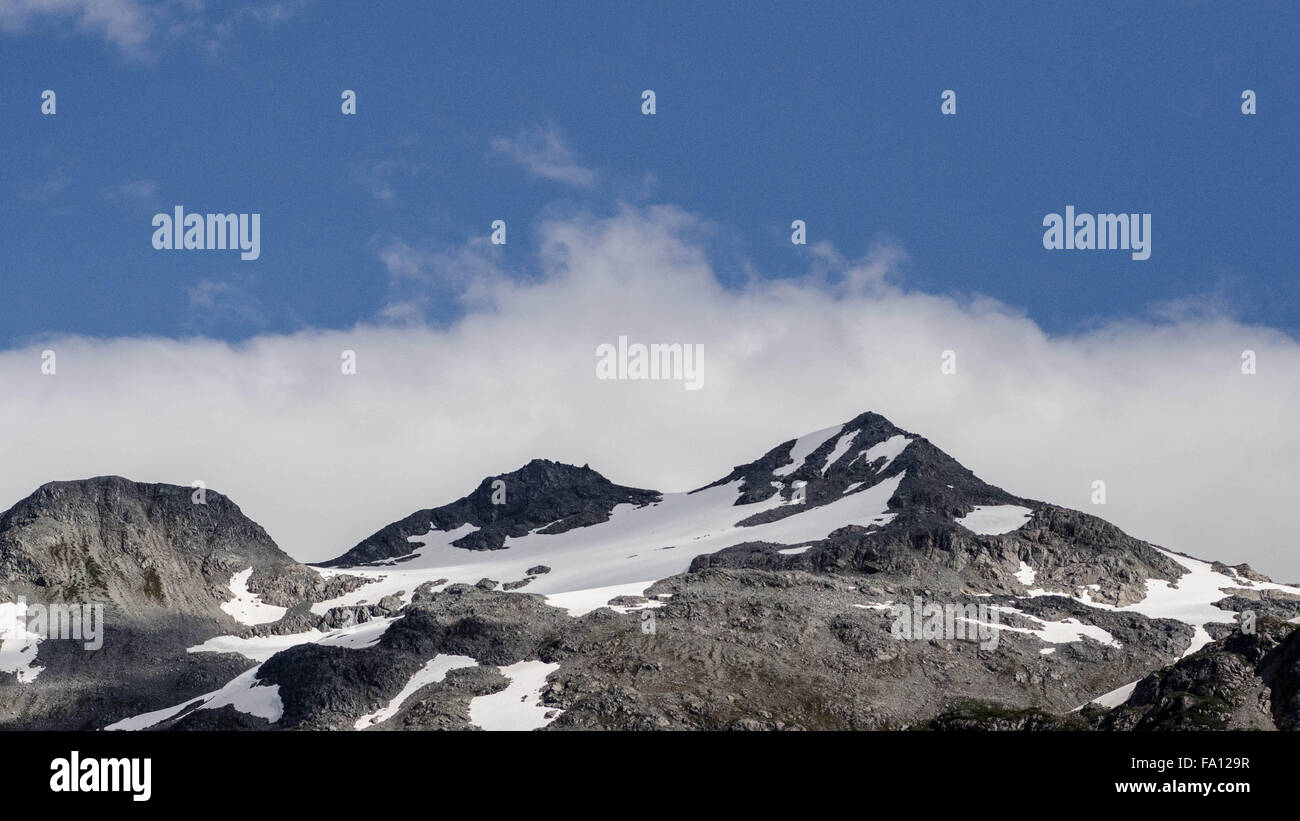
(857, 577)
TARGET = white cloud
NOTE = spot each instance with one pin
(543, 152)
(131, 26)
(124, 23)
(1196, 456)
(422, 278)
(213, 301)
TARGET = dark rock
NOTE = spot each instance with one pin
(542, 495)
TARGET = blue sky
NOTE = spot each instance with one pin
(766, 113)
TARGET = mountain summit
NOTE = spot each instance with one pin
(154, 569)
(542, 495)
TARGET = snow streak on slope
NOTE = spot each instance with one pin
(994, 520)
(637, 546)
(242, 693)
(803, 447)
(517, 707)
(1065, 631)
(261, 648)
(1117, 696)
(841, 448)
(431, 673)
(889, 450)
(433, 540)
(247, 607)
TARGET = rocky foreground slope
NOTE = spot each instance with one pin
(552, 597)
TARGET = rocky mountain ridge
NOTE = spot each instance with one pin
(552, 597)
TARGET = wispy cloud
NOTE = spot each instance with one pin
(214, 34)
(133, 26)
(145, 191)
(422, 279)
(215, 302)
(543, 152)
(126, 24)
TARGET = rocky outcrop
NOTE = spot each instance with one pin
(144, 548)
(1246, 681)
(159, 565)
(542, 495)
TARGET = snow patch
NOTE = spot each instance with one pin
(1026, 574)
(1189, 600)
(890, 449)
(247, 607)
(1065, 631)
(994, 520)
(518, 706)
(1117, 696)
(17, 644)
(581, 602)
(434, 671)
(261, 648)
(243, 693)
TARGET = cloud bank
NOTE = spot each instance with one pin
(1196, 456)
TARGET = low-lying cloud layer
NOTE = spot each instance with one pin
(1195, 455)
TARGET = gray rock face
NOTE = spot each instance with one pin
(160, 567)
(805, 650)
(1070, 551)
(1240, 682)
(143, 548)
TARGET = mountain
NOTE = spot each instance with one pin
(166, 573)
(857, 577)
(146, 549)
